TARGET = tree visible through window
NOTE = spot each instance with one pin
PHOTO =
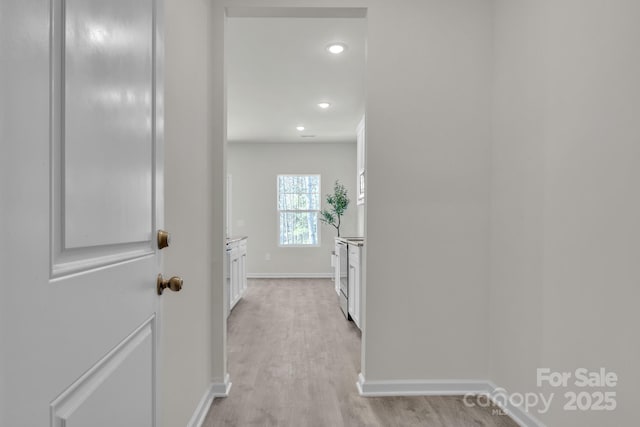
(298, 207)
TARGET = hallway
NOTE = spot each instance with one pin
(294, 361)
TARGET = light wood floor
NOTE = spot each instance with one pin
(294, 361)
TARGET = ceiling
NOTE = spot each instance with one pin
(278, 70)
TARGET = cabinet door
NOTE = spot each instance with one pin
(354, 283)
(352, 292)
(243, 274)
(235, 278)
(233, 281)
(356, 294)
(236, 284)
(336, 268)
(228, 282)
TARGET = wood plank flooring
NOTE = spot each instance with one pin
(294, 361)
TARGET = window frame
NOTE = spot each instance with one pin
(278, 210)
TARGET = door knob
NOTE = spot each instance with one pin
(174, 283)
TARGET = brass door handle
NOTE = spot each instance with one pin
(174, 283)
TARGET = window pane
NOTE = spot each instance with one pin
(299, 193)
(297, 202)
(298, 228)
(313, 201)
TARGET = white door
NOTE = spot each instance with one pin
(81, 203)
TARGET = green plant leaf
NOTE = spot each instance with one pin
(339, 201)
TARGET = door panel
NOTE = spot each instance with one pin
(97, 399)
(103, 107)
(106, 115)
(81, 132)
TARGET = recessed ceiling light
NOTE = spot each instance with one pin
(336, 48)
(300, 128)
(324, 105)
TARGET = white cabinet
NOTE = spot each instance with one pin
(242, 267)
(335, 262)
(237, 271)
(234, 275)
(355, 282)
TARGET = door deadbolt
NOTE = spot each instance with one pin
(163, 239)
(174, 284)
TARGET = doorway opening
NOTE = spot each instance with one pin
(295, 108)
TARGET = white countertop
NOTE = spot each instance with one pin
(354, 241)
(234, 239)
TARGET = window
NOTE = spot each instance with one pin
(298, 208)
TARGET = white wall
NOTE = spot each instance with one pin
(254, 168)
(428, 134)
(187, 336)
(563, 214)
(565, 208)
(427, 214)
(517, 195)
(360, 220)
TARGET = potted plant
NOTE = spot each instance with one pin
(338, 202)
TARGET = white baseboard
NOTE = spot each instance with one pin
(289, 275)
(521, 417)
(214, 390)
(443, 388)
(420, 387)
(221, 389)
